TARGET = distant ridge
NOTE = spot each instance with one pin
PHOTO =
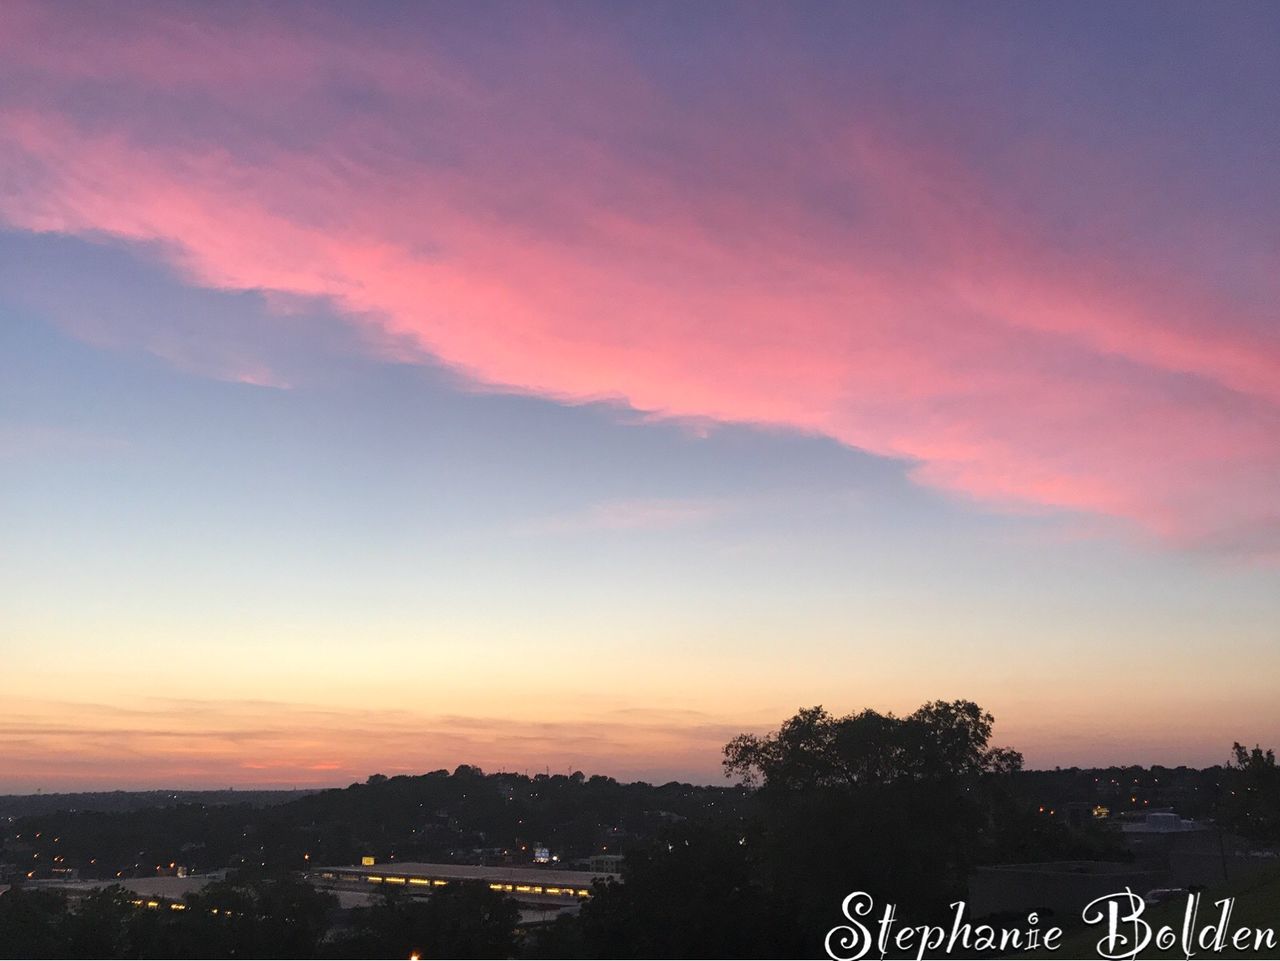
(22, 805)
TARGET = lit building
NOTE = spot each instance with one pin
(605, 863)
(541, 887)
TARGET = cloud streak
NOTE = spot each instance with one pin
(647, 514)
(215, 742)
(757, 247)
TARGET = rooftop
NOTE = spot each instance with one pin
(471, 872)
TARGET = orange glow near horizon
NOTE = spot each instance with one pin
(181, 745)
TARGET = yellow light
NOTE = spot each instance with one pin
(391, 880)
(492, 887)
(419, 881)
(438, 883)
(373, 878)
(583, 893)
(153, 904)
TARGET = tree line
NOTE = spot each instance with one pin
(905, 807)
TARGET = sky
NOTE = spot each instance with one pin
(559, 387)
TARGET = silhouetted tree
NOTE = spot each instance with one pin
(941, 740)
(461, 920)
(1251, 804)
(104, 924)
(693, 894)
(252, 917)
(33, 924)
(898, 807)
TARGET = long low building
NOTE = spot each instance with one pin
(151, 892)
(524, 884)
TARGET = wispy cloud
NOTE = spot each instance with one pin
(823, 266)
(165, 742)
(42, 440)
(633, 515)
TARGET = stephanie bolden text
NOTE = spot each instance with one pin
(1125, 932)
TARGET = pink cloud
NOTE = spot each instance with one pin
(563, 227)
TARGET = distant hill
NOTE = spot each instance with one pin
(466, 817)
(23, 805)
